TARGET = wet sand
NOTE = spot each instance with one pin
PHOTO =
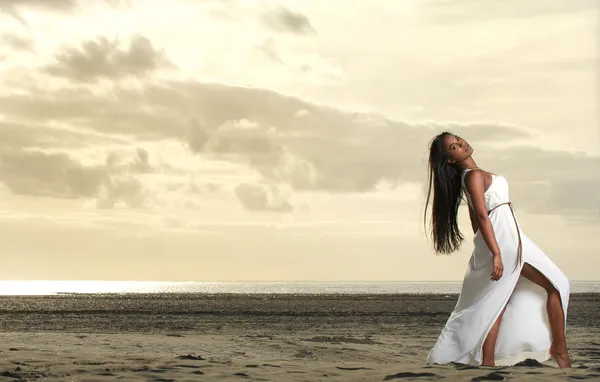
(256, 338)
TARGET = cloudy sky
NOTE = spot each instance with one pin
(264, 140)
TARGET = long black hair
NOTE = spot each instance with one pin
(445, 180)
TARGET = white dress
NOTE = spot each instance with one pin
(524, 330)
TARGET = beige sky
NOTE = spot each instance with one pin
(210, 140)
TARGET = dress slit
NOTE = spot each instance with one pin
(478, 357)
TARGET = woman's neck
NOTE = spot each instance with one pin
(468, 163)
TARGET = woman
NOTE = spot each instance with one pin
(513, 302)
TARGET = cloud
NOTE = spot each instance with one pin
(575, 198)
(285, 20)
(198, 135)
(55, 5)
(38, 173)
(124, 190)
(452, 11)
(117, 161)
(43, 135)
(302, 113)
(306, 64)
(265, 197)
(258, 145)
(13, 7)
(16, 42)
(35, 172)
(327, 149)
(270, 50)
(104, 58)
(289, 169)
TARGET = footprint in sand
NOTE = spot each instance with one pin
(587, 376)
(191, 356)
(531, 363)
(495, 376)
(409, 375)
(463, 366)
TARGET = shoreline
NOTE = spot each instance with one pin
(151, 313)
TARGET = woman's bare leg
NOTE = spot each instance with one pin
(489, 344)
(556, 317)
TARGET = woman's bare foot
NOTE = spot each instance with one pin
(561, 357)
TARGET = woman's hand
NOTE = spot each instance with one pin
(498, 268)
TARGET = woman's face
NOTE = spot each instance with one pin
(457, 148)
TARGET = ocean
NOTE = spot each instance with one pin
(54, 287)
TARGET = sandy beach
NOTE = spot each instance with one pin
(255, 338)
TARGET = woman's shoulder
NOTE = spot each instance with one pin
(474, 173)
(475, 176)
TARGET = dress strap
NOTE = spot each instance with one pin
(520, 247)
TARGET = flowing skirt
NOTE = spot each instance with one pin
(524, 329)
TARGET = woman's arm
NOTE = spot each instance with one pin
(473, 218)
(475, 184)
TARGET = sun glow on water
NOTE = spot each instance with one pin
(51, 287)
